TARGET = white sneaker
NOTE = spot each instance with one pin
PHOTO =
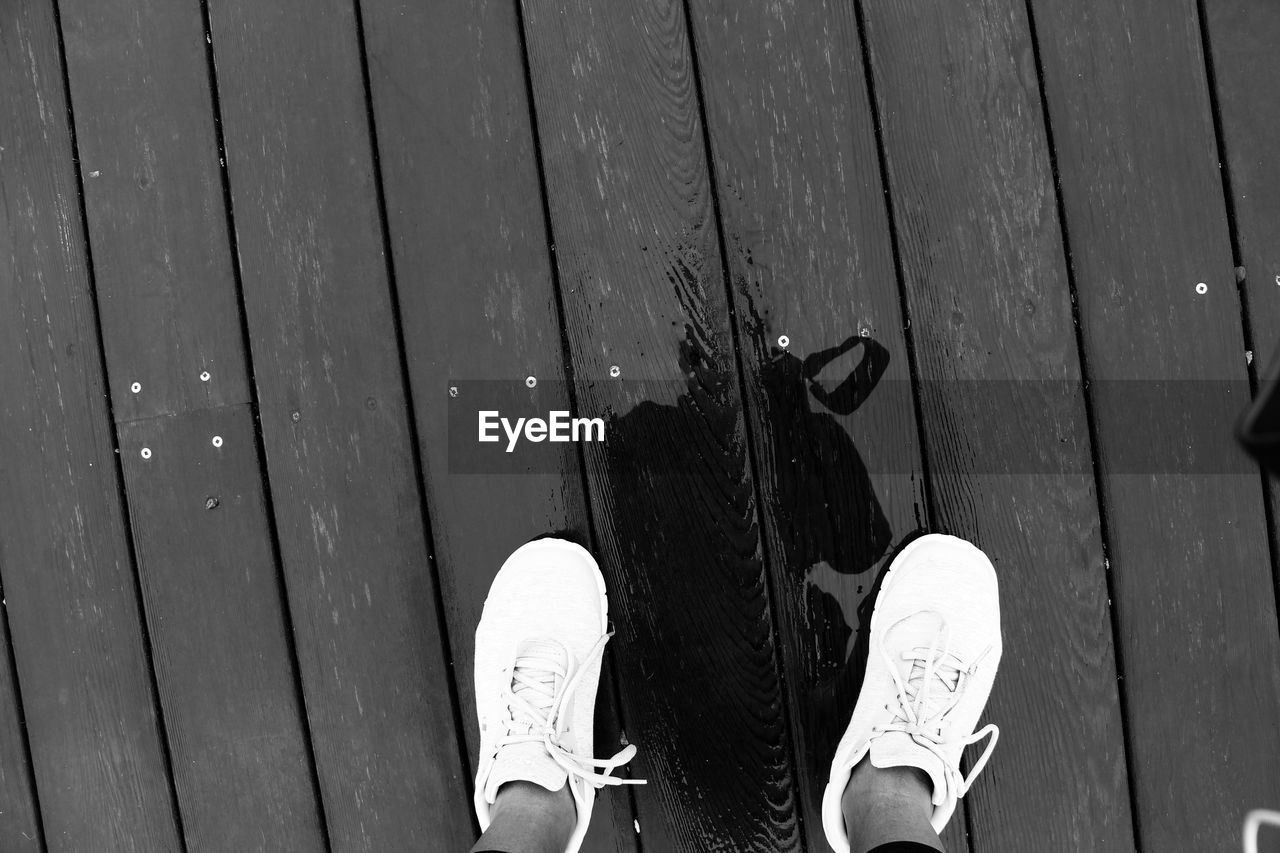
(935, 646)
(538, 649)
(1253, 822)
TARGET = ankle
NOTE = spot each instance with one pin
(884, 805)
(872, 788)
(527, 817)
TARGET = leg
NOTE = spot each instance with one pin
(886, 806)
(527, 818)
(538, 650)
(935, 645)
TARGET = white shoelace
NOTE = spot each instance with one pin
(938, 667)
(537, 714)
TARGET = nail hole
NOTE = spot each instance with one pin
(295, 416)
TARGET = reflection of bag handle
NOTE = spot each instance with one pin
(858, 385)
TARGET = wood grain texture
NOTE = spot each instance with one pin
(469, 242)
(1240, 38)
(643, 291)
(153, 196)
(811, 258)
(1129, 104)
(20, 825)
(336, 426)
(989, 304)
(1242, 35)
(223, 665)
(154, 205)
(97, 747)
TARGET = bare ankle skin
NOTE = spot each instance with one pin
(886, 805)
(527, 818)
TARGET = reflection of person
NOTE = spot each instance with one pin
(895, 778)
(819, 478)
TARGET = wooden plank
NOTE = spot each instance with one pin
(20, 827)
(811, 257)
(97, 746)
(1240, 38)
(1242, 35)
(153, 197)
(1126, 91)
(336, 425)
(223, 670)
(1006, 434)
(671, 490)
(465, 218)
(171, 324)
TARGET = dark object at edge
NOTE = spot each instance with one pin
(1260, 426)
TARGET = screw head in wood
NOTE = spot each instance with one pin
(1202, 288)
(295, 416)
(146, 453)
(204, 376)
(531, 381)
(135, 387)
(615, 371)
(784, 341)
(453, 390)
(217, 441)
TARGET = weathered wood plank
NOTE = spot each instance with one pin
(223, 669)
(336, 425)
(1006, 434)
(469, 239)
(97, 746)
(171, 324)
(1242, 37)
(811, 258)
(154, 201)
(643, 291)
(20, 827)
(1126, 91)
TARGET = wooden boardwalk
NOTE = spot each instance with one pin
(248, 247)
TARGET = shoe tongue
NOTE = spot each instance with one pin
(922, 633)
(897, 749)
(538, 661)
(541, 661)
(937, 688)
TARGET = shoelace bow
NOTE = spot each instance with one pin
(538, 709)
(936, 666)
